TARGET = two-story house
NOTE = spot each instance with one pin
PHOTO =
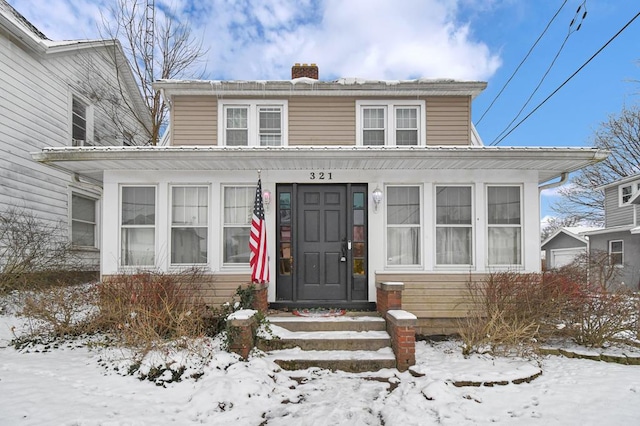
(620, 237)
(46, 101)
(363, 181)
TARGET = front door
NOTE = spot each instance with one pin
(321, 244)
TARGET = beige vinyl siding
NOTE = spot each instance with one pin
(322, 121)
(438, 300)
(448, 120)
(194, 120)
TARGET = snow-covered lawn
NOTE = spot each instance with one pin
(71, 386)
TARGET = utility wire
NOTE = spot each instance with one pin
(546, 73)
(570, 77)
(521, 63)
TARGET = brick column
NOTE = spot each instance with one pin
(260, 302)
(401, 326)
(388, 296)
(241, 326)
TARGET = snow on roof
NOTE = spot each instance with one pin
(18, 19)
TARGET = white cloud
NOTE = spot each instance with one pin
(253, 39)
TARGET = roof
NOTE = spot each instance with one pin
(92, 161)
(577, 232)
(620, 181)
(309, 86)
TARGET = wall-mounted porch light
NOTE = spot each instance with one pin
(266, 199)
(376, 196)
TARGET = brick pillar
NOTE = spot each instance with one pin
(260, 302)
(388, 296)
(241, 326)
(401, 326)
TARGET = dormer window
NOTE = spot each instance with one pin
(252, 123)
(627, 191)
(391, 123)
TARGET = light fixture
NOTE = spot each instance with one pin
(376, 196)
(266, 198)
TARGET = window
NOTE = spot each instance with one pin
(138, 219)
(453, 225)
(81, 122)
(385, 123)
(83, 221)
(616, 253)
(403, 225)
(252, 123)
(626, 192)
(238, 210)
(189, 224)
(504, 225)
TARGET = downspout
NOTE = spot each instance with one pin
(563, 179)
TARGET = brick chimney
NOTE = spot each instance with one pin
(304, 70)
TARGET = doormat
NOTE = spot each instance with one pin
(319, 312)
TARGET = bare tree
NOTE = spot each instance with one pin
(556, 223)
(157, 46)
(621, 136)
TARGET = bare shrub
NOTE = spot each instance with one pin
(144, 308)
(34, 252)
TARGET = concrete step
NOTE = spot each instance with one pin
(350, 361)
(325, 340)
(341, 323)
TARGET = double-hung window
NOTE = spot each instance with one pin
(616, 252)
(626, 192)
(238, 211)
(81, 122)
(252, 123)
(138, 225)
(189, 224)
(454, 227)
(504, 222)
(403, 225)
(387, 123)
(83, 221)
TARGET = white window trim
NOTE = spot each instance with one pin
(89, 131)
(73, 190)
(420, 265)
(611, 252)
(443, 266)
(235, 267)
(155, 227)
(206, 264)
(390, 107)
(635, 187)
(253, 123)
(521, 226)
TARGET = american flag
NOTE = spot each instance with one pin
(259, 259)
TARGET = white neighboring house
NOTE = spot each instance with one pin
(44, 102)
(565, 245)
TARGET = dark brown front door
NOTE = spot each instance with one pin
(321, 244)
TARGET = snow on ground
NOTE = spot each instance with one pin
(69, 386)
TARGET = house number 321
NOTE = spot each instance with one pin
(320, 176)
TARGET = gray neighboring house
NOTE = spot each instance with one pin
(565, 245)
(44, 103)
(620, 237)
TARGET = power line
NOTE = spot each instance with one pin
(546, 73)
(570, 77)
(521, 63)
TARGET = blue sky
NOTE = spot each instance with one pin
(404, 39)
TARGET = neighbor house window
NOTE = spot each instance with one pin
(83, 221)
(238, 210)
(189, 224)
(252, 123)
(388, 123)
(616, 252)
(138, 230)
(504, 222)
(626, 192)
(403, 225)
(453, 225)
(81, 122)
